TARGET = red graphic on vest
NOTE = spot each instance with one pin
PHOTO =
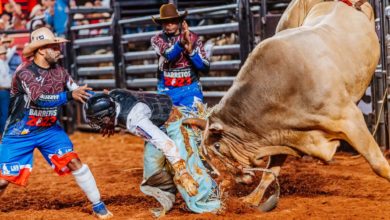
(177, 82)
(40, 121)
(177, 78)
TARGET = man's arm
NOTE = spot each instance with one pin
(195, 50)
(35, 93)
(138, 123)
(198, 55)
(151, 133)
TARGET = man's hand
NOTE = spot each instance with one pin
(80, 94)
(189, 184)
(186, 40)
(108, 126)
(183, 178)
(107, 131)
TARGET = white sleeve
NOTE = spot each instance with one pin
(10, 53)
(138, 123)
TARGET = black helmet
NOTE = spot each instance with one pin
(99, 106)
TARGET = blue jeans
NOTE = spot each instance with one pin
(4, 104)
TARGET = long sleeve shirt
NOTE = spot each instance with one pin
(175, 67)
(139, 123)
(36, 95)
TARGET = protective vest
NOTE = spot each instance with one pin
(160, 105)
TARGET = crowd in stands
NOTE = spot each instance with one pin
(31, 14)
(92, 18)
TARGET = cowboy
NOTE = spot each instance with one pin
(167, 156)
(39, 88)
(181, 57)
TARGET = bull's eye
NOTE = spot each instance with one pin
(217, 146)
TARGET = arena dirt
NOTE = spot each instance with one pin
(346, 188)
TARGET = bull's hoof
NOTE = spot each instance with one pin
(270, 204)
(267, 206)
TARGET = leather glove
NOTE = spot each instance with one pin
(183, 178)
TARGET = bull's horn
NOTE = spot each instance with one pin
(200, 123)
(270, 151)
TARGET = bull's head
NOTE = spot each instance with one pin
(217, 146)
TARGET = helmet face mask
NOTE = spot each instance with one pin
(105, 122)
(100, 112)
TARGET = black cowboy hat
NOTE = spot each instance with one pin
(168, 12)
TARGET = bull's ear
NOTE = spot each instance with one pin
(216, 128)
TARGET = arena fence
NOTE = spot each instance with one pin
(379, 87)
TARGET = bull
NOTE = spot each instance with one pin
(296, 94)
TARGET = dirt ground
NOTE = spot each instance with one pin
(344, 189)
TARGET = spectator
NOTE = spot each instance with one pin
(78, 20)
(6, 18)
(8, 10)
(97, 3)
(14, 59)
(5, 85)
(181, 58)
(59, 10)
(37, 18)
(18, 18)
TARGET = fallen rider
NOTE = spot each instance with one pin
(171, 158)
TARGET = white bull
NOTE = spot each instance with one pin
(297, 92)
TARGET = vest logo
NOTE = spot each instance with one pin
(25, 131)
(39, 78)
(10, 169)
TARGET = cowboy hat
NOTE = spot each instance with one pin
(168, 12)
(39, 38)
(6, 40)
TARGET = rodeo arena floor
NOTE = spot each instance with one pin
(346, 188)
(111, 51)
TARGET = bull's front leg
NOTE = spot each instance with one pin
(274, 164)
